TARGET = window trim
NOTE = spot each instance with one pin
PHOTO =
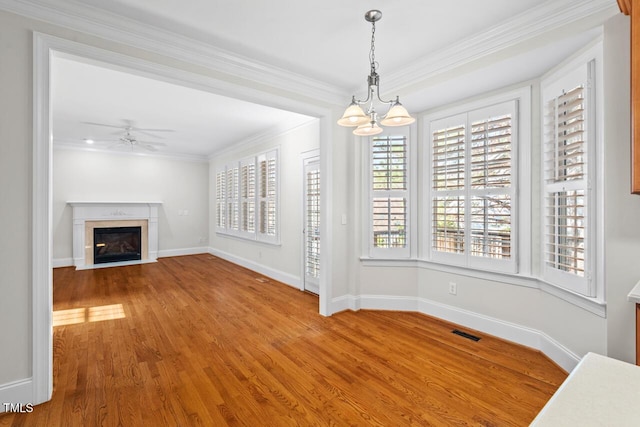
(594, 288)
(409, 250)
(256, 235)
(521, 191)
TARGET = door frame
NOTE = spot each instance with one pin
(308, 157)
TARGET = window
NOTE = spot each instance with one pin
(248, 195)
(389, 195)
(232, 198)
(568, 137)
(247, 198)
(221, 200)
(472, 191)
(267, 197)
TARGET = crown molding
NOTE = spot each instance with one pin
(259, 138)
(535, 22)
(60, 144)
(107, 25)
(532, 23)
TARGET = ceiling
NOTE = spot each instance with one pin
(422, 48)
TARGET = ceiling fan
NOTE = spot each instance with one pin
(128, 139)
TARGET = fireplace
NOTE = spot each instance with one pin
(114, 244)
(88, 216)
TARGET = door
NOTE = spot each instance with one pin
(311, 228)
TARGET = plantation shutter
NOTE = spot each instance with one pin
(491, 188)
(312, 225)
(448, 169)
(389, 195)
(248, 195)
(233, 213)
(268, 196)
(472, 188)
(567, 117)
(221, 199)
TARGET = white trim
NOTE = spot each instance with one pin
(280, 276)
(345, 302)
(518, 102)
(121, 29)
(326, 214)
(588, 61)
(532, 23)
(513, 332)
(42, 241)
(237, 165)
(251, 141)
(62, 262)
(16, 392)
(90, 20)
(308, 158)
(115, 264)
(68, 262)
(592, 305)
(166, 253)
(59, 144)
(410, 135)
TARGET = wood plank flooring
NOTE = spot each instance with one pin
(197, 341)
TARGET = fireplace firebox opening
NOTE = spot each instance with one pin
(114, 244)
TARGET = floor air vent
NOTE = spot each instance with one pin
(466, 335)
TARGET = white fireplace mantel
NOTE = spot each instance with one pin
(119, 211)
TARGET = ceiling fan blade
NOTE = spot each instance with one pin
(106, 141)
(149, 132)
(158, 144)
(102, 124)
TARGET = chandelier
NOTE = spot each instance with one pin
(368, 124)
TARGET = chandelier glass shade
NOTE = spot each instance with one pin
(367, 123)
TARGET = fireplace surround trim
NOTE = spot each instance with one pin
(86, 213)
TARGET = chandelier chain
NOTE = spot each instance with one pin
(372, 52)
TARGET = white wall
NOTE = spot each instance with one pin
(622, 209)
(180, 185)
(284, 261)
(15, 200)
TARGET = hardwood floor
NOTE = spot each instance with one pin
(196, 340)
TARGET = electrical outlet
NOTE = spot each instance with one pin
(453, 288)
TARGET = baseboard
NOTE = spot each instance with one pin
(519, 334)
(16, 392)
(68, 262)
(62, 262)
(182, 252)
(281, 276)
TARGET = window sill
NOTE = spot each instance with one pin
(274, 242)
(593, 305)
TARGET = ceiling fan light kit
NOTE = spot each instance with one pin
(367, 124)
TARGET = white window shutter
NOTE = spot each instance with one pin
(567, 116)
(389, 195)
(473, 188)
